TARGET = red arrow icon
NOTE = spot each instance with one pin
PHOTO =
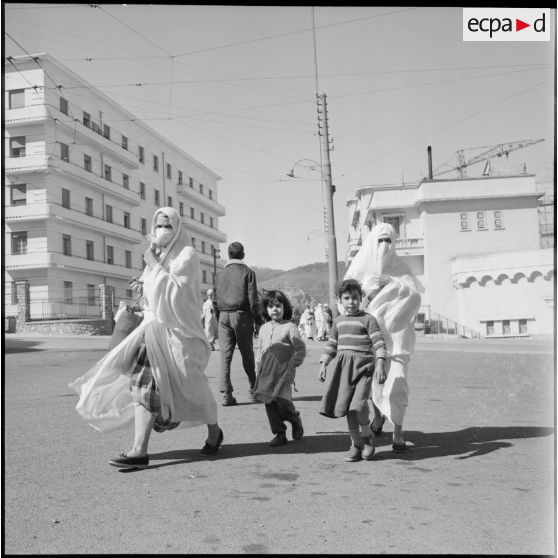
(519, 25)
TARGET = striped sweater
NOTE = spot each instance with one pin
(359, 333)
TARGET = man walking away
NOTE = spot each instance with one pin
(237, 304)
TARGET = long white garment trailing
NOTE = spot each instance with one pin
(379, 269)
(177, 348)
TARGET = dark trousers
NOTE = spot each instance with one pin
(236, 328)
(278, 411)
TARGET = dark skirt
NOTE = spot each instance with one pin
(349, 382)
(145, 391)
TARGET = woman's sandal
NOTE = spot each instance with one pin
(399, 447)
(377, 430)
(208, 449)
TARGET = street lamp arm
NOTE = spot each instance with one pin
(311, 167)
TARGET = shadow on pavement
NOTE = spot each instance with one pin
(463, 444)
(20, 346)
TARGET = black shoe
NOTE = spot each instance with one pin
(298, 431)
(279, 440)
(378, 429)
(208, 449)
(125, 462)
(399, 447)
(228, 400)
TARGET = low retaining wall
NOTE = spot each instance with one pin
(68, 327)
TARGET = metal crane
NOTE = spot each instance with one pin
(492, 151)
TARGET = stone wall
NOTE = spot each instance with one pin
(69, 327)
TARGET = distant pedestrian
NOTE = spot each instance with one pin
(328, 319)
(280, 351)
(155, 376)
(308, 320)
(393, 298)
(320, 322)
(354, 353)
(237, 304)
(210, 324)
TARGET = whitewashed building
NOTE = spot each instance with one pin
(474, 243)
(82, 179)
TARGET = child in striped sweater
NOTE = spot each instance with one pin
(354, 352)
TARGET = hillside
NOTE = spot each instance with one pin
(304, 284)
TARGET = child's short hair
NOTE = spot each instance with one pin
(277, 296)
(348, 285)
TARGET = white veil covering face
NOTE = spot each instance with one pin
(177, 348)
(397, 303)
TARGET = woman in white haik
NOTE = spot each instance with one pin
(393, 298)
(155, 376)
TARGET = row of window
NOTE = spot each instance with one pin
(18, 196)
(19, 248)
(482, 219)
(17, 149)
(507, 327)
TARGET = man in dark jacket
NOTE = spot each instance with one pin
(237, 305)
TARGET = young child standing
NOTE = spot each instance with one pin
(280, 351)
(354, 352)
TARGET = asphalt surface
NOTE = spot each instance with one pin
(479, 476)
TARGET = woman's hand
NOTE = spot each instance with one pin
(149, 256)
(322, 375)
(137, 285)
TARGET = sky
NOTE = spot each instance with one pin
(235, 87)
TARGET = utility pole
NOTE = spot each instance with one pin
(323, 132)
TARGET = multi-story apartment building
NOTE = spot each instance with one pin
(473, 243)
(83, 178)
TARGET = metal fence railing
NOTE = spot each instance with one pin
(434, 323)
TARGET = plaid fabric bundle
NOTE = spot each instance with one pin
(145, 391)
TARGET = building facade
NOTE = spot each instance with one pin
(474, 243)
(83, 178)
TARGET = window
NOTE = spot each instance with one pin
(110, 254)
(191, 182)
(143, 226)
(66, 244)
(180, 177)
(126, 219)
(169, 171)
(464, 221)
(86, 119)
(156, 197)
(201, 188)
(141, 154)
(193, 242)
(129, 293)
(155, 163)
(210, 194)
(106, 131)
(14, 292)
(125, 143)
(18, 194)
(87, 163)
(64, 152)
(202, 217)
(17, 147)
(108, 213)
(63, 105)
(142, 190)
(192, 213)
(126, 181)
(68, 292)
(395, 221)
(19, 243)
(498, 220)
(211, 222)
(523, 326)
(169, 201)
(17, 98)
(204, 276)
(89, 250)
(128, 258)
(91, 290)
(203, 247)
(181, 209)
(108, 172)
(506, 327)
(66, 198)
(490, 328)
(89, 207)
(481, 220)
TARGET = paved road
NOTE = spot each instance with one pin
(479, 478)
